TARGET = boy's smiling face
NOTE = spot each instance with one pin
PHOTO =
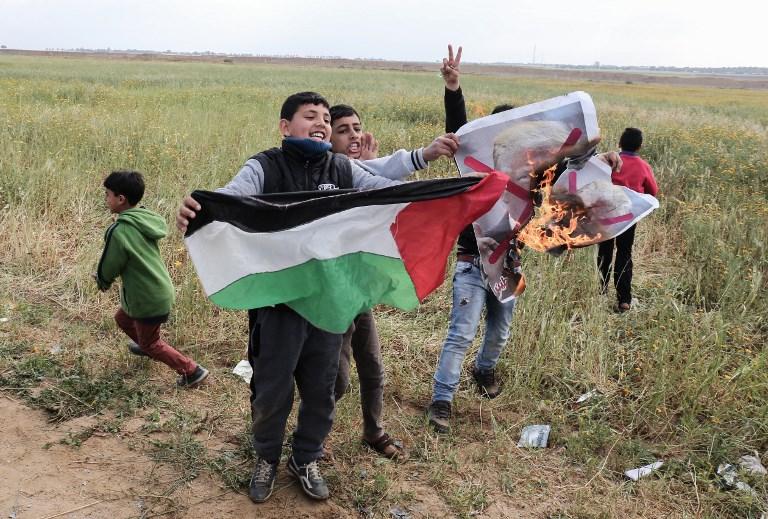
(346, 136)
(309, 122)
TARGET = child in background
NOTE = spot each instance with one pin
(636, 175)
(348, 138)
(362, 339)
(146, 294)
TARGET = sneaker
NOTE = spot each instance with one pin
(262, 480)
(136, 349)
(194, 379)
(486, 382)
(439, 414)
(309, 476)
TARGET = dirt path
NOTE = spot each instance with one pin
(104, 477)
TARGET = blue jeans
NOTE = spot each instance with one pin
(470, 296)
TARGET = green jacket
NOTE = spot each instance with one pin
(131, 252)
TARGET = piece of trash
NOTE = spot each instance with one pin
(55, 348)
(752, 465)
(243, 370)
(398, 513)
(728, 473)
(587, 396)
(534, 436)
(641, 472)
(363, 474)
(731, 478)
(4, 319)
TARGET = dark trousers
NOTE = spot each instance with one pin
(147, 336)
(362, 342)
(283, 347)
(622, 266)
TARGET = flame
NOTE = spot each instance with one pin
(562, 222)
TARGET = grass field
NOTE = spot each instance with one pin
(683, 377)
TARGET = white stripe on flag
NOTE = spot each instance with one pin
(222, 253)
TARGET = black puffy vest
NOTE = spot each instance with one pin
(286, 170)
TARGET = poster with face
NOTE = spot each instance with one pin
(520, 143)
(583, 207)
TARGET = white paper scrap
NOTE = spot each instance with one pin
(243, 370)
(752, 465)
(587, 396)
(635, 474)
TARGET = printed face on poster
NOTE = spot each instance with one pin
(518, 143)
(612, 209)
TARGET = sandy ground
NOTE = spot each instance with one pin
(41, 478)
(108, 476)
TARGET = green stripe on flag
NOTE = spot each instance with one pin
(350, 285)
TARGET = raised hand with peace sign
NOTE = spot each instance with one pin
(450, 69)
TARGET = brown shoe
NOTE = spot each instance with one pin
(388, 447)
(486, 382)
(439, 415)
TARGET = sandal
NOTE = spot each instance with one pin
(382, 447)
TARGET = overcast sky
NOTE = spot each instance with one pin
(644, 32)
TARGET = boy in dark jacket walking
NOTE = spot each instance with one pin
(146, 294)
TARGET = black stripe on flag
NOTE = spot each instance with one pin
(276, 212)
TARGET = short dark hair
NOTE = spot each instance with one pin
(631, 139)
(502, 108)
(339, 111)
(293, 102)
(130, 184)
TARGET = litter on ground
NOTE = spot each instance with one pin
(641, 472)
(534, 436)
(587, 396)
(243, 370)
(731, 479)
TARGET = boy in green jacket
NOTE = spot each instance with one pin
(146, 295)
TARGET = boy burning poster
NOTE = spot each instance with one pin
(522, 143)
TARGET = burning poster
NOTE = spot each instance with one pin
(520, 143)
(584, 207)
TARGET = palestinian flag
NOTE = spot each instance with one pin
(330, 255)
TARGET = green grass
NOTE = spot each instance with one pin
(683, 377)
